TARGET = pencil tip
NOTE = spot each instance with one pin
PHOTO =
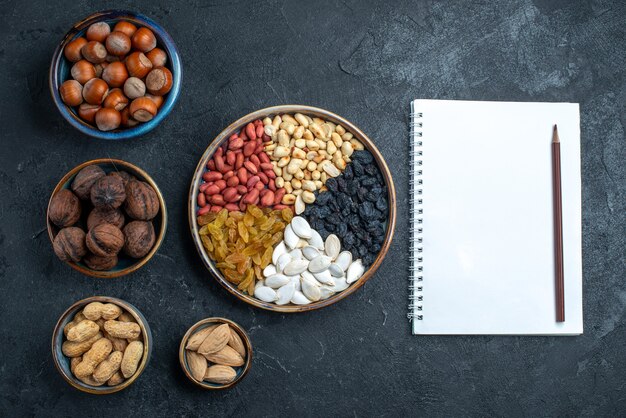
(555, 134)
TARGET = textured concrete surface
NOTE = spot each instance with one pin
(365, 61)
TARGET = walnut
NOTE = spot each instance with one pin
(125, 176)
(85, 179)
(139, 238)
(64, 208)
(105, 216)
(105, 240)
(108, 192)
(142, 202)
(69, 244)
(95, 262)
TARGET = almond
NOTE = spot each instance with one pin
(236, 343)
(197, 365)
(220, 374)
(193, 343)
(227, 356)
(216, 340)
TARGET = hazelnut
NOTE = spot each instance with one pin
(157, 56)
(71, 92)
(134, 87)
(69, 244)
(144, 40)
(125, 176)
(95, 90)
(83, 71)
(100, 68)
(127, 121)
(138, 238)
(159, 81)
(115, 74)
(116, 100)
(105, 240)
(143, 109)
(64, 208)
(125, 27)
(88, 112)
(108, 192)
(138, 64)
(158, 100)
(108, 119)
(98, 31)
(85, 178)
(96, 262)
(118, 43)
(100, 216)
(94, 52)
(142, 201)
(72, 49)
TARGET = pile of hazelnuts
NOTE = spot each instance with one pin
(119, 77)
(107, 230)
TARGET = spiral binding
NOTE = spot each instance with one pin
(415, 215)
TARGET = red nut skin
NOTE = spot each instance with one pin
(268, 199)
(266, 166)
(264, 158)
(251, 196)
(203, 186)
(201, 200)
(255, 160)
(212, 176)
(272, 185)
(242, 173)
(204, 210)
(259, 149)
(211, 165)
(280, 207)
(235, 144)
(219, 163)
(249, 148)
(216, 208)
(263, 177)
(211, 190)
(251, 167)
(230, 194)
(231, 206)
(250, 131)
(221, 184)
(259, 186)
(252, 181)
(232, 181)
(259, 131)
(230, 158)
(217, 199)
(258, 122)
(242, 189)
(278, 196)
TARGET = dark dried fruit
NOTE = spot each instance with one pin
(126, 177)
(100, 216)
(95, 262)
(142, 202)
(65, 208)
(105, 240)
(85, 179)
(69, 244)
(108, 192)
(139, 238)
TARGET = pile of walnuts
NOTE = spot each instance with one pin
(120, 212)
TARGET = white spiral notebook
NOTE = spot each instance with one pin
(482, 243)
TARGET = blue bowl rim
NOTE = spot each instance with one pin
(166, 42)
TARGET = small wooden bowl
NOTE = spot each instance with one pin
(62, 362)
(126, 265)
(242, 370)
(238, 125)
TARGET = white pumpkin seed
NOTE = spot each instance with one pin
(316, 240)
(296, 254)
(324, 277)
(285, 293)
(340, 284)
(301, 227)
(259, 284)
(299, 298)
(278, 251)
(319, 264)
(296, 282)
(302, 243)
(290, 238)
(310, 252)
(311, 289)
(335, 270)
(277, 280)
(283, 260)
(299, 205)
(296, 267)
(269, 270)
(355, 271)
(332, 246)
(326, 292)
(266, 294)
(344, 259)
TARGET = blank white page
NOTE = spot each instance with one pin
(487, 222)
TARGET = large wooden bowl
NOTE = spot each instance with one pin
(235, 127)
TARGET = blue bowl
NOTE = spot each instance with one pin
(62, 362)
(60, 72)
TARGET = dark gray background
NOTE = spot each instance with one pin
(365, 61)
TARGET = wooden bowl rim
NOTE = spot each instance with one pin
(108, 274)
(260, 114)
(147, 344)
(239, 330)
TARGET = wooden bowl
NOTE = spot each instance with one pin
(62, 362)
(60, 72)
(241, 371)
(126, 265)
(235, 127)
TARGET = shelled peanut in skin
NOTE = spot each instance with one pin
(240, 174)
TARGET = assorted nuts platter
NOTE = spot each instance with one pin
(292, 208)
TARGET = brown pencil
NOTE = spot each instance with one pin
(558, 226)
